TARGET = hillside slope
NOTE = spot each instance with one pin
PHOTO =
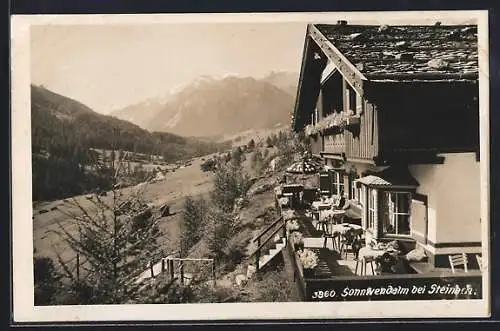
(59, 122)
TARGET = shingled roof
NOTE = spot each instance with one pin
(386, 176)
(407, 52)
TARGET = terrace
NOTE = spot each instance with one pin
(345, 260)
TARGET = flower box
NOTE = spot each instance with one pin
(297, 240)
(332, 130)
(308, 258)
(298, 246)
(353, 120)
(308, 273)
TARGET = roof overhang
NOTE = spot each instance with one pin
(312, 67)
(389, 177)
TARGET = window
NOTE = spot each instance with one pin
(354, 190)
(337, 183)
(395, 213)
(372, 199)
(361, 196)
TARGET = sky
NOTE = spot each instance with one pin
(110, 66)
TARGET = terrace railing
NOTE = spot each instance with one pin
(266, 237)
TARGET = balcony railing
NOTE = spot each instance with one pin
(334, 143)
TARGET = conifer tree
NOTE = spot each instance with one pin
(192, 223)
(115, 239)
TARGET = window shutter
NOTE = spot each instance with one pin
(418, 223)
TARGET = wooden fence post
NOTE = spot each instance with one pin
(181, 270)
(151, 268)
(171, 268)
(257, 255)
(284, 232)
(162, 265)
(213, 271)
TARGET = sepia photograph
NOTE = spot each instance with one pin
(326, 165)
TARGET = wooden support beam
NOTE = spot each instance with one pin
(346, 68)
(409, 158)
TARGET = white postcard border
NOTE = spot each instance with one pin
(23, 303)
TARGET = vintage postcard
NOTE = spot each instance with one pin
(209, 167)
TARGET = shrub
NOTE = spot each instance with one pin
(204, 293)
(229, 184)
(251, 144)
(273, 286)
(218, 231)
(257, 161)
(47, 281)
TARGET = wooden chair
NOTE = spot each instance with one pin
(479, 260)
(348, 239)
(458, 260)
(333, 237)
(363, 262)
(321, 225)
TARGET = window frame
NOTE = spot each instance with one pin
(371, 208)
(337, 182)
(375, 215)
(392, 216)
(354, 192)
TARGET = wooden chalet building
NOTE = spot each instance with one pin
(393, 110)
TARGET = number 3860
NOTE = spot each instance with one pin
(323, 294)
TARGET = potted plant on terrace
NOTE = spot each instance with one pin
(297, 240)
(309, 261)
(292, 226)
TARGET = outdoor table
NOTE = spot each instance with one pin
(338, 230)
(320, 205)
(344, 227)
(330, 214)
(371, 254)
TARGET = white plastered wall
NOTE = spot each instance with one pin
(453, 192)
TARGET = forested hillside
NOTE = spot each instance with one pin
(63, 130)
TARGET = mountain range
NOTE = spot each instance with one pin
(215, 106)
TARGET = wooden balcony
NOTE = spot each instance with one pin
(334, 144)
(362, 142)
